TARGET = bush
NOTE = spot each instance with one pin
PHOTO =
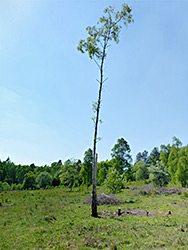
(44, 179)
(185, 194)
(13, 186)
(19, 187)
(4, 186)
(113, 182)
(29, 181)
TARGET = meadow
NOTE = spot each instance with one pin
(59, 219)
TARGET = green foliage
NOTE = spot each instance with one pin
(113, 182)
(164, 154)
(129, 175)
(138, 172)
(86, 169)
(182, 166)
(56, 181)
(70, 173)
(185, 194)
(154, 156)
(44, 179)
(173, 162)
(29, 181)
(102, 171)
(141, 171)
(142, 156)
(107, 29)
(19, 187)
(159, 174)
(175, 156)
(121, 154)
(176, 142)
(4, 186)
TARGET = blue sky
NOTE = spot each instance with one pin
(47, 87)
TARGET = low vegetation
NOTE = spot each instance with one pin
(60, 219)
(49, 207)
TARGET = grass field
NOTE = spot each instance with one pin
(58, 219)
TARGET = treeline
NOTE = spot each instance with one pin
(169, 164)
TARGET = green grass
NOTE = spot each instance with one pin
(58, 219)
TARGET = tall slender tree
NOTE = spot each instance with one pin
(96, 44)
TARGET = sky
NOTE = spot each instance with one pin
(47, 87)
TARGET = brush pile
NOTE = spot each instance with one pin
(104, 199)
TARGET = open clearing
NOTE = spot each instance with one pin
(59, 219)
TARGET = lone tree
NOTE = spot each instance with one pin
(96, 44)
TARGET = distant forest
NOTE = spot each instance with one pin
(169, 164)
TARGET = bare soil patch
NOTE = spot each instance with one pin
(126, 212)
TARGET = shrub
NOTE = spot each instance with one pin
(113, 182)
(44, 179)
(13, 186)
(19, 187)
(4, 186)
(185, 194)
(29, 181)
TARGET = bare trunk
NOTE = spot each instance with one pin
(94, 189)
(94, 169)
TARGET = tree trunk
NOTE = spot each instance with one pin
(94, 169)
(94, 189)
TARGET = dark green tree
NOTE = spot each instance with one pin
(176, 142)
(142, 156)
(21, 170)
(29, 181)
(86, 169)
(121, 154)
(56, 171)
(154, 156)
(99, 38)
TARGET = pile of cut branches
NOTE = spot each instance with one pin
(104, 199)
